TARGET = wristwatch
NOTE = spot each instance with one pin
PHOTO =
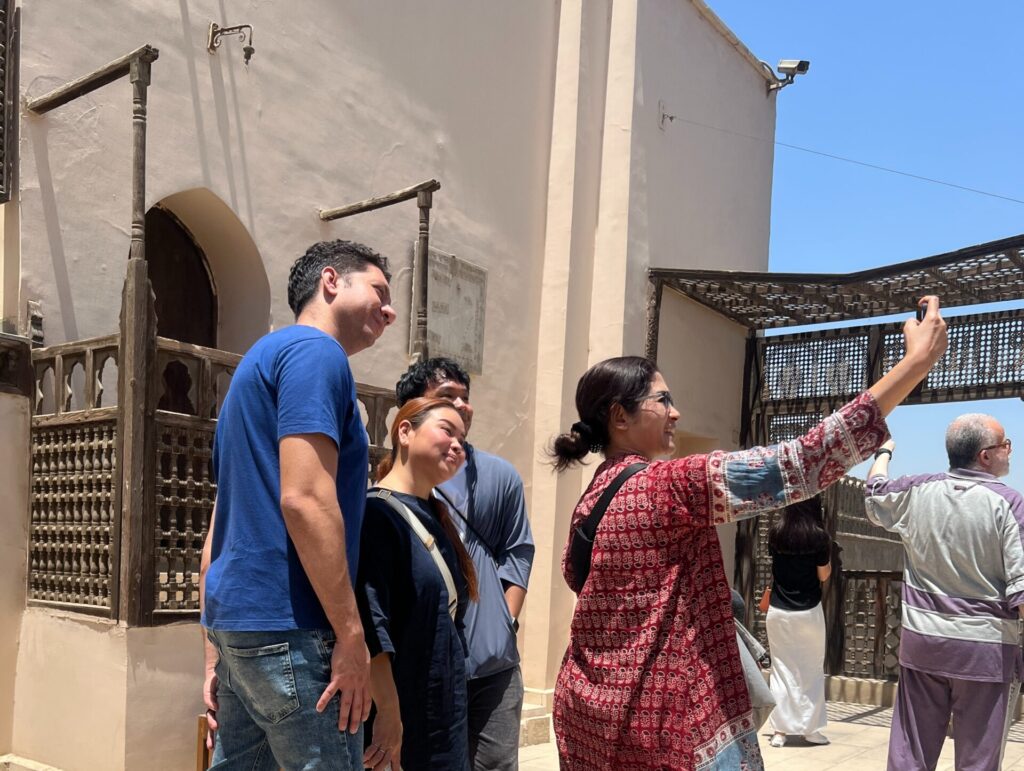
(883, 450)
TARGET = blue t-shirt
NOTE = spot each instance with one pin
(293, 381)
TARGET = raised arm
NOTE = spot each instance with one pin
(925, 343)
(745, 483)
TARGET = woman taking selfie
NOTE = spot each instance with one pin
(652, 678)
(414, 581)
(801, 553)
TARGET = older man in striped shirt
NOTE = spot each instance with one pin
(963, 597)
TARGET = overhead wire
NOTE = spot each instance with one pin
(854, 161)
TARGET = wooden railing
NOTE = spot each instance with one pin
(80, 538)
(863, 624)
(74, 530)
(862, 607)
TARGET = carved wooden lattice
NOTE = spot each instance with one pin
(992, 272)
(8, 97)
(872, 623)
(73, 527)
(184, 502)
(76, 514)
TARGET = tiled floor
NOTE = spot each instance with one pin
(860, 740)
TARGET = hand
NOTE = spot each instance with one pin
(350, 676)
(926, 340)
(387, 740)
(889, 445)
(210, 700)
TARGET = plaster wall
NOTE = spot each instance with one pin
(71, 674)
(612, 213)
(10, 267)
(165, 668)
(700, 185)
(14, 481)
(574, 187)
(341, 102)
(701, 356)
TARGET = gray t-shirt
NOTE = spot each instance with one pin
(489, 509)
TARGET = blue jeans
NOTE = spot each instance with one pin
(269, 684)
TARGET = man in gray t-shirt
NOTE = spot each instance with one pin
(488, 507)
(963, 596)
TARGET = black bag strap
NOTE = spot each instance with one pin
(582, 545)
(455, 509)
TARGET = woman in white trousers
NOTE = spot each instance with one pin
(801, 552)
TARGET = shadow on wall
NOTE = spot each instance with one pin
(238, 273)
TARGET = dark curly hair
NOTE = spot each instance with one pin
(424, 374)
(344, 256)
(623, 380)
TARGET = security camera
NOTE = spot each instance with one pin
(789, 69)
(793, 67)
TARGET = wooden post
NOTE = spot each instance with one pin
(654, 293)
(135, 435)
(745, 571)
(420, 346)
(423, 193)
(881, 593)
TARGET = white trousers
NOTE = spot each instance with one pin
(797, 642)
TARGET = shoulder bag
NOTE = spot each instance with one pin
(582, 546)
(428, 541)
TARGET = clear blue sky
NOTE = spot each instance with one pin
(932, 89)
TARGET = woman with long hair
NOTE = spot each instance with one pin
(415, 579)
(652, 678)
(801, 552)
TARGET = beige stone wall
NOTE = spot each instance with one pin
(699, 186)
(14, 481)
(701, 354)
(164, 697)
(342, 101)
(625, 196)
(70, 693)
(91, 694)
(10, 268)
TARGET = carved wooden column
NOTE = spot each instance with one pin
(423, 193)
(136, 426)
(420, 346)
(655, 288)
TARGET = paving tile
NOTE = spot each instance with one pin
(794, 756)
(860, 741)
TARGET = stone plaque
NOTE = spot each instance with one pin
(456, 307)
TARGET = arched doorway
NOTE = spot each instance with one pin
(186, 298)
(233, 263)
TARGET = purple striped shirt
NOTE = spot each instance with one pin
(963, 532)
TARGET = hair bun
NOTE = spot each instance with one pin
(587, 434)
(584, 430)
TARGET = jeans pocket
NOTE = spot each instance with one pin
(263, 677)
(325, 646)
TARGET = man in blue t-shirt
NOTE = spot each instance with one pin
(287, 670)
(488, 507)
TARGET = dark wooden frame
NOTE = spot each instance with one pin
(985, 273)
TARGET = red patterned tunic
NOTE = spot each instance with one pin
(652, 678)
